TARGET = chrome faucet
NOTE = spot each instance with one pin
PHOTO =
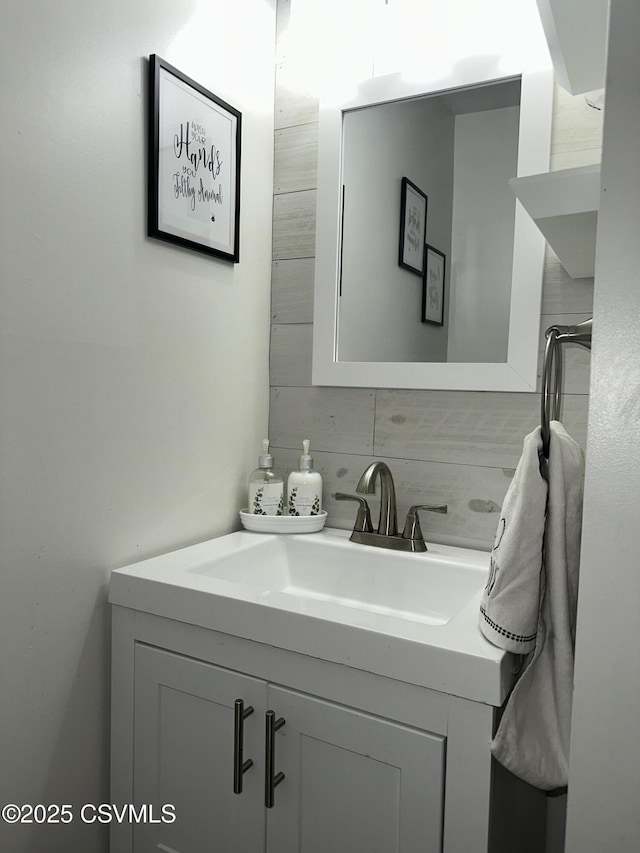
(388, 521)
(386, 535)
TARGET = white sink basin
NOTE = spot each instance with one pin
(428, 588)
(413, 617)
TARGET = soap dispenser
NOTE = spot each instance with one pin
(304, 486)
(266, 486)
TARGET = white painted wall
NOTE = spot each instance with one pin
(486, 156)
(133, 375)
(604, 791)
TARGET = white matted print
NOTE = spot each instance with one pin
(433, 287)
(413, 227)
(194, 164)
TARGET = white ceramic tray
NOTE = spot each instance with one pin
(283, 523)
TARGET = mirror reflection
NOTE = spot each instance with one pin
(459, 148)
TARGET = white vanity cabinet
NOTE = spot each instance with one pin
(352, 781)
(369, 763)
(355, 781)
(183, 754)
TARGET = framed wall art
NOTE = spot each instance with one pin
(433, 287)
(413, 227)
(194, 164)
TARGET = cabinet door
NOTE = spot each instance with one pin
(184, 752)
(352, 782)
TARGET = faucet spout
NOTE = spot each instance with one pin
(388, 521)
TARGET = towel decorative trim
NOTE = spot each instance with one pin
(517, 638)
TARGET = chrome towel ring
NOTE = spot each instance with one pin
(552, 369)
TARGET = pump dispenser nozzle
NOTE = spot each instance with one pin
(306, 461)
(266, 459)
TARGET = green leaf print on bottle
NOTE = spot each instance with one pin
(257, 503)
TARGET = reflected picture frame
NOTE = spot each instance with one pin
(433, 286)
(413, 227)
(194, 149)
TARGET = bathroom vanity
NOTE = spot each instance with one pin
(287, 693)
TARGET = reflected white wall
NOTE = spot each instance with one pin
(486, 153)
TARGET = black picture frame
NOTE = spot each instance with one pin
(194, 153)
(413, 227)
(433, 286)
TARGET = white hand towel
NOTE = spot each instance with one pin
(510, 604)
(532, 740)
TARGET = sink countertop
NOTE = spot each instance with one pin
(449, 656)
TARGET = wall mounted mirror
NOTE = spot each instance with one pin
(465, 312)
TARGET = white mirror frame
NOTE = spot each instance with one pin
(519, 372)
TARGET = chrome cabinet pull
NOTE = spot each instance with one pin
(240, 767)
(271, 779)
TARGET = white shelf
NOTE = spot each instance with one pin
(564, 206)
(576, 34)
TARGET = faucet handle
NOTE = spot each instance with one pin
(363, 518)
(412, 529)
